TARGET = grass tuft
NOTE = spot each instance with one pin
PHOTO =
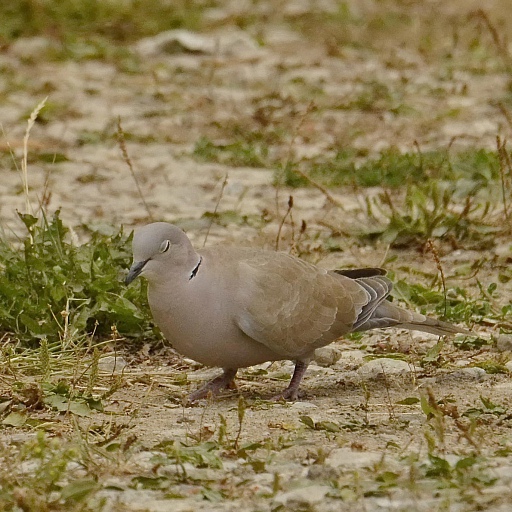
(52, 289)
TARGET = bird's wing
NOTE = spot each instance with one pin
(292, 306)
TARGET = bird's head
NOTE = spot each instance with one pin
(157, 248)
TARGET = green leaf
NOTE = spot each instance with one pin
(94, 404)
(79, 408)
(58, 402)
(308, 421)
(433, 354)
(427, 409)
(15, 419)
(410, 400)
(79, 489)
(4, 405)
(146, 482)
(329, 426)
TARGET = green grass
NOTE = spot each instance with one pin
(67, 422)
(95, 29)
(240, 153)
(393, 168)
(51, 286)
(113, 20)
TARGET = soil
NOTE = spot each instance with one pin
(351, 426)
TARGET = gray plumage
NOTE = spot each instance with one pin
(236, 307)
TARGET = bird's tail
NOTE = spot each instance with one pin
(387, 314)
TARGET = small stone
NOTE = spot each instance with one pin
(112, 364)
(378, 368)
(303, 407)
(350, 459)
(503, 472)
(504, 251)
(350, 360)
(471, 373)
(302, 498)
(327, 356)
(504, 342)
(462, 363)
(175, 41)
(319, 371)
(423, 336)
(232, 42)
(322, 472)
(32, 47)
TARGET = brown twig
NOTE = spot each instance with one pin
(281, 224)
(505, 166)
(506, 114)
(451, 411)
(223, 186)
(322, 189)
(501, 44)
(122, 145)
(433, 249)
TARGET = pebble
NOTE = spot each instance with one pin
(504, 342)
(378, 368)
(299, 499)
(346, 458)
(112, 363)
(327, 356)
(472, 373)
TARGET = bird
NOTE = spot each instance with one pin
(234, 307)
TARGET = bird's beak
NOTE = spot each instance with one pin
(135, 270)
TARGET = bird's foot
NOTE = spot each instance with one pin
(286, 395)
(292, 391)
(212, 388)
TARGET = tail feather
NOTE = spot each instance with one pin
(388, 314)
(379, 312)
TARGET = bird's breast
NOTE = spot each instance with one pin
(199, 323)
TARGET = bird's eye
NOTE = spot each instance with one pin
(165, 246)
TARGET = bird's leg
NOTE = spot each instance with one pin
(226, 380)
(292, 391)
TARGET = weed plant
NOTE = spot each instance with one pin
(50, 287)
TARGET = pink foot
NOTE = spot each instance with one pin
(212, 388)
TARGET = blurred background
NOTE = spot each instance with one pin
(310, 95)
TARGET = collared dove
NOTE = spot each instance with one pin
(236, 307)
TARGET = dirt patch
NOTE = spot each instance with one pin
(410, 434)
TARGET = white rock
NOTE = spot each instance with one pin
(350, 459)
(31, 47)
(504, 342)
(327, 356)
(473, 373)
(298, 499)
(319, 371)
(112, 363)
(350, 359)
(232, 42)
(175, 41)
(378, 368)
(504, 473)
(302, 407)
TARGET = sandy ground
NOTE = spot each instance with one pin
(165, 105)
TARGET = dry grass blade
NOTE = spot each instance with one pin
(24, 161)
(433, 249)
(505, 169)
(122, 145)
(223, 186)
(283, 220)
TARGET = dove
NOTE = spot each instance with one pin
(232, 307)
